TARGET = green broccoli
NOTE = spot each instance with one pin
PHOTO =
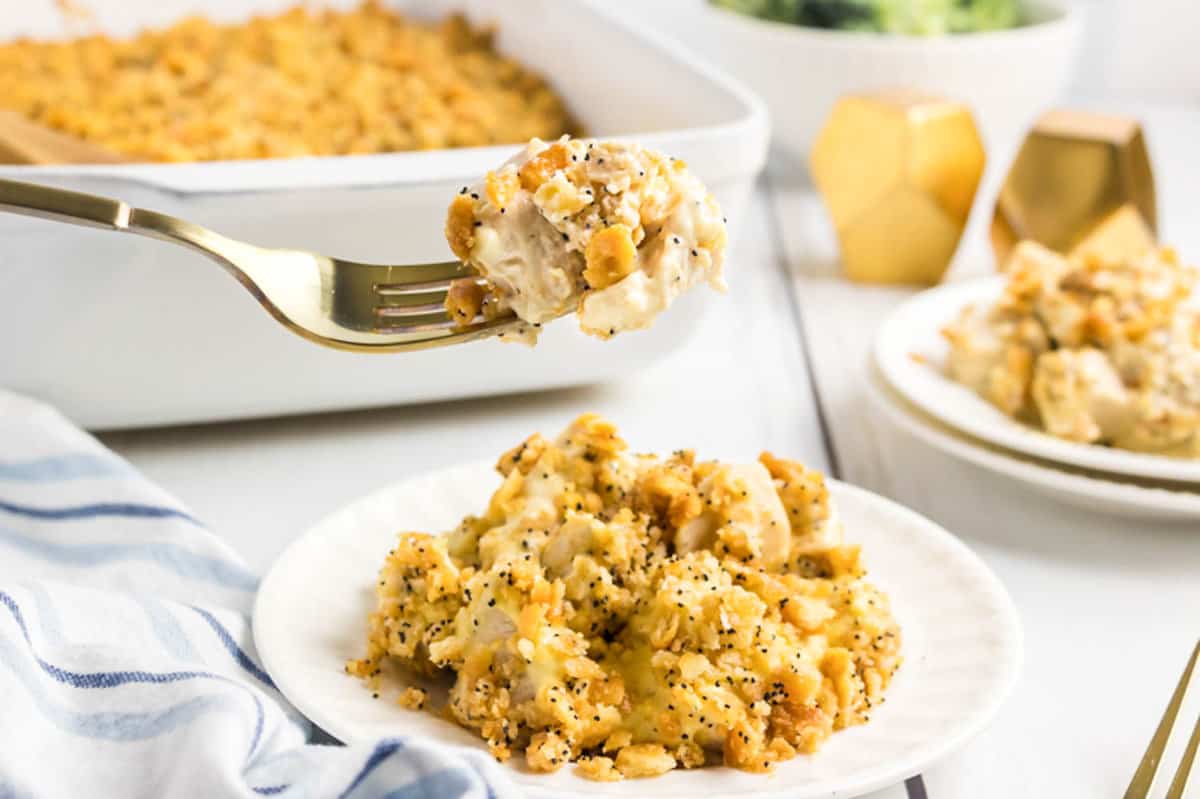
(908, 17)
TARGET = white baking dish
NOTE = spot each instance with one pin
(119, 331)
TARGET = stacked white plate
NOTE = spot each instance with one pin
(909, 385)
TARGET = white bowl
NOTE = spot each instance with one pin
(1007, 77)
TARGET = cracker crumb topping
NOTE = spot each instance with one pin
(611, 231)
(635, 614)
(1090, 348)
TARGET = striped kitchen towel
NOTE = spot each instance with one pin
(127, 666)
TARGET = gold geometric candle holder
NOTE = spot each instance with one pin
(898, 173)
(1080, 182)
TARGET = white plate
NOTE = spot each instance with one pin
(1084, 490)
(962, 644)
(914, 328)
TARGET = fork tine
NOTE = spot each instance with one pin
(428, 273)
(1179, 784)
(1143, 778)
(389, 297)
(437, 321)
(483, 328)
(403, 295)
(418, 317)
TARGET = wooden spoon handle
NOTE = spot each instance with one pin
(26, 142)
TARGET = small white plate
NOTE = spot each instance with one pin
(914, 328)
(1074, 487)
(962, 644)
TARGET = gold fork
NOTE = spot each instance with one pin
(341, 304)
(1143, 778)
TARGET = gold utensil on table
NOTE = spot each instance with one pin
(341, 304)
(26, 142)
(1143, 778)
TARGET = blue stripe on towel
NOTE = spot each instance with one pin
(260, 720)
(451, 782)
(383, 750)
(54, 468)
(48, 620)
(240, 656)
(112, 679)
(109, 725)
(124, 510)
(97, 679)
(170, 556)
(166, 627)
(10, 790)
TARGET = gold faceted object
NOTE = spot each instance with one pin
(898, 172)
(1121, 236)
(1080, 182)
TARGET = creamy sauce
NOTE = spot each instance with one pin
(610, 230)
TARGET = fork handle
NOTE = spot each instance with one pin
(60, 205)
(90, 210)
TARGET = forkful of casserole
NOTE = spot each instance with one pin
(610, 231)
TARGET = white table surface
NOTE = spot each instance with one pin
(1110, 607)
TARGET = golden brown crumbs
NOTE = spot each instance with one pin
(460, 226)
(636, 614)
(1099, 348)
(299, 83)
(599, 769)
(610, 256)
(464, 300)
(412, 698)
